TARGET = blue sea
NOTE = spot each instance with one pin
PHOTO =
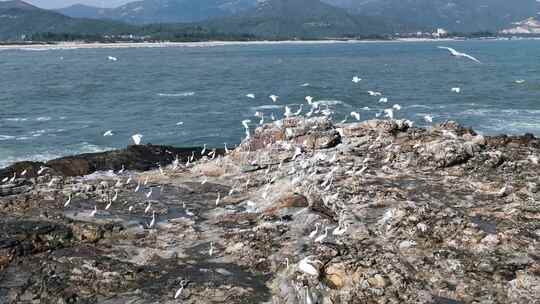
(60, 102)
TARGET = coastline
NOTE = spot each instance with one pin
(83, 45)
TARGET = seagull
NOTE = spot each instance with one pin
(5, 179)
(314, 232)
(397, 107)
(93, 213)
(153, 220)
(355, 115)
(455, 53)
(305, 84)
(520, 81)
(218, 198)
(148, 207)
(149, 193)
(146, 181)
(340, 230)
(373, 93)
(309, 99)
(389, 113)
(226, 149)
(246, 126)
(344, 120)
(299, 111)
(428, 118)
(274, 97)
(115, 197)
(297, 152)
(13, 178)
(68, 201)
(456, 90)
(306, 266)
(111, 58)
(130, 208)
(288, 112)
(203, 150)
(180, 123)
(122, 170)
(252, 96)
(137, 138)
(383, 100)
(356, 79)
(138, 186)
(129, 180)
(41, 170)
(24, 173)
(211, 250)
(109, 205)
(108, 133)
(321, 237)
(179, 291)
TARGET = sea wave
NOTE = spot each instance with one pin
(6, 137)
(329, 102)
(267, 107)
(182, 94)
(16, 119)
(43, 118)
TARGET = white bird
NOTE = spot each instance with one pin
(138, 186)
(112, 58)
(130, 208)
(299, 111)
(356, 79)
(252, 96)
(305, 265)
(297, 152)
(211, 250)
(51, 182)
(396, 107)
(455, 53)
(68, 201)
(146, 181)
(218, 198)
(129, 180)
(246, 126)
(109, 205)
(149, 193)
(373, 93)
(383, 100)
(179, 291)
(122, 170)
(5, 179)
(180, 123)
(309, 99)
(389, 113)
(13, 178)
(340, 230)
(456, 90)
(355, 115)
(148, 207)
(226, 149)
(137, 138)
(115, 197)
(520, 81)
(305, 84)
(41, 170)
(153, 221)
(274, 97)
(428, 118)
(203, 150)
(204, 181)
(321, 237)
(93, 213)
(288, 112)
(314, 232)
(108, 133)
(24, 172)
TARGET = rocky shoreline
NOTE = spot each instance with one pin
(304, 211)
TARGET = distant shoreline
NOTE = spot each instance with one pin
(83, 45)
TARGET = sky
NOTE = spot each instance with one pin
(64, 3)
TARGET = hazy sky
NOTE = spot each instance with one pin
(64, 3)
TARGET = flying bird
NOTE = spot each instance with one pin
(356, 115)
(108, 133)
(455, 53)
(252, 96)
(274, 97)
(112, 58)
(373, 93)
(356, 79)
(137, 139)
(309, 99)
(428, 118)
(456, 90)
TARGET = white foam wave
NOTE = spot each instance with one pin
(6, 137)
(43, 118)
(16, 119)
(267, 107)
(182, 94)
(328, 102)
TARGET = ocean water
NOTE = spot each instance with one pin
(60, 102)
